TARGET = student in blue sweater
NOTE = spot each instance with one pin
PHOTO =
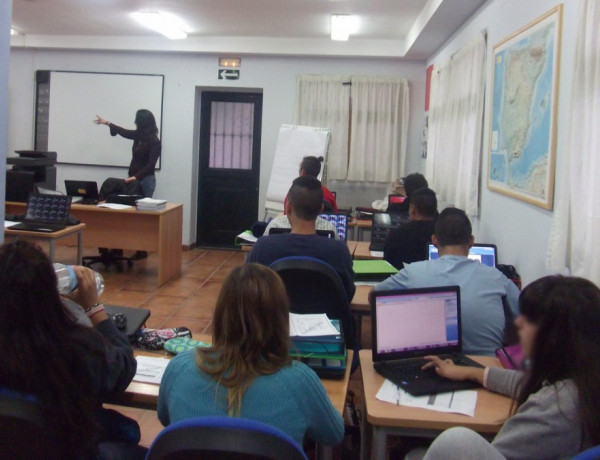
(248, 371)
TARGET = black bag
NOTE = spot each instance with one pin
(118, 186)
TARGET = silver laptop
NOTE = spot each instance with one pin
(411, 324)
(486, 254)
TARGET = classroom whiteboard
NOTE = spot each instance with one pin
(293, 144)
(75, 98)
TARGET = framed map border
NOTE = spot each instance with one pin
(498, 186)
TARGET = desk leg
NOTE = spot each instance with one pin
(378, 447)
(79, 247)
(51, 250)
(358, 319)
(365, 436)
(324, 452)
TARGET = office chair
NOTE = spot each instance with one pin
(313, 286)
(23, 434)
(108, 257)
(223, 438)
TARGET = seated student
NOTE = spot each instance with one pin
(409, 242)
(412, 182)
(283, 222)
(311, 166)
(558, 398)
(485, 293)
(70, 369)
(304, 205)
(248, 371)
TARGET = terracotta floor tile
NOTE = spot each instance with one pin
(141, 285)
(213, 257)
(200, 272)
(150, 427)
(165, 309)
(180, 289)
(127, 298)
(156, 322)
(195, 312)
(203, 298)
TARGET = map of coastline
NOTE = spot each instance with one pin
(521, 113)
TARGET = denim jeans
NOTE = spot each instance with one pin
(148, 184)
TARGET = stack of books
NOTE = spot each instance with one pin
(318, 342)
(149, 204)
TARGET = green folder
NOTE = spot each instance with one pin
(372, 270)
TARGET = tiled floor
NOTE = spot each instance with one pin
(188, 300)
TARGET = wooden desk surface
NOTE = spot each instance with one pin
(146, 394)
(361, 223)
(92, 208)
(491, 411)
(360, 302)
(68, 230)
(362, 251)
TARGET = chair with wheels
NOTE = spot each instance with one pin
(23, 434)
(108, 257)
(313, 286)
(223, 438)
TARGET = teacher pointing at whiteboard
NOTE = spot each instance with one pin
(145, 151)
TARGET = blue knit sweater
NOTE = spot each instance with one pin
(292, 400)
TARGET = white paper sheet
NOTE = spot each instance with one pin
(249, 237)
(458, 402)
(9, 223)
(311, 325)
(377, 254)
(149, 369)
(114, 206)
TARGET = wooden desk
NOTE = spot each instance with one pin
(360, 306)
(362, 252)
(155, 231)
(51, 238)
(491, 412)
(351, 246)
(358, 227)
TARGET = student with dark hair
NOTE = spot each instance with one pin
(489, 300)
(69, 369)
(412, 182)
(145, 151)
(557, 410)
(248, 371)
(409, 242)
(305, 203)
(311, 166)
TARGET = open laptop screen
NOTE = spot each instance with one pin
(416, 322)
(340, 221)
(484, 253)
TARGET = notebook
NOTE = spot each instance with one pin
(82, 191)
(136, 318)
(485, 253)
(340, 221)
(411, 324)
(45, 213)
(372, 270)
(382, 224)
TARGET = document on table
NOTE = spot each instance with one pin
(9, 223)
(458, 402)
(377, 254)
(149, 369)
(247, 236)
(114, 206)
(311, 325)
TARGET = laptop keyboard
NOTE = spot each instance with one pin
(411, 369)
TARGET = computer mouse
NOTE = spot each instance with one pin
(120, 320)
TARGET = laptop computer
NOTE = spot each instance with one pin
(395, 199)
(45, 213)
(340, 222)
(382, 224)
(82, 191)
(411, 324)
(485, 253)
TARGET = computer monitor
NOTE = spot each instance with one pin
(340, 222)
(485, 253)
(395, 199)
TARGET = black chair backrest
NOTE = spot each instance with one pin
(221, 443)
(315, 287)
(23, 434)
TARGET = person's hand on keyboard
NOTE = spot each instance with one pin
(447, 369)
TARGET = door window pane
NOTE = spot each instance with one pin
(231, 128)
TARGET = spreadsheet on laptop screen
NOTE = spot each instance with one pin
(483, 254)
(407, 322)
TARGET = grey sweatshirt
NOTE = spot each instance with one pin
(546, 426)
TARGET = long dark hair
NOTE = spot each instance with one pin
(566, 345)
(37, 354)
(146, 125)
(251, 331)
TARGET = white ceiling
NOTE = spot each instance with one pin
(393, 28)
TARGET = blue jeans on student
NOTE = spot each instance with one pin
(148, 184)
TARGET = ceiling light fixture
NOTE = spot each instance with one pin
(341, 26)
(162, 23)
(230, 62)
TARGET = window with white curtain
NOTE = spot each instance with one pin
(368, 119)
(454, 139)
(575, 237)
(231, 135)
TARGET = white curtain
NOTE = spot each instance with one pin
(324, 101)
(575, 238)
(378, 129)
(455, 127)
